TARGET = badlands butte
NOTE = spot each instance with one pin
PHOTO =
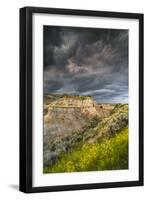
(83, 135)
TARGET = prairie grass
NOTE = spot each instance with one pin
(108, 154)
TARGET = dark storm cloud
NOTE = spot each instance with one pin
(86, 61)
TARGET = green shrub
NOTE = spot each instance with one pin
(109, 154)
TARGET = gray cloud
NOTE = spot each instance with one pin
(86, 61)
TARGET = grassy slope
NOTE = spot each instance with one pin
(108, 154)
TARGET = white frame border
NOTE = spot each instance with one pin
(132, 174)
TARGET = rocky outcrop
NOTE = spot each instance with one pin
(71, 114)
(59, 122)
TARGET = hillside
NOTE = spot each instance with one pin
(71, 122)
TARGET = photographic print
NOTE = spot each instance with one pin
(81, 99)
(85, 99)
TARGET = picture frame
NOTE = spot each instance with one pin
(31, 66)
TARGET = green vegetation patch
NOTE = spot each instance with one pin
(109, 154)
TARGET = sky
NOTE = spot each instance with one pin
(86, 61)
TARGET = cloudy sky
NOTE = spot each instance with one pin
(86, 61)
